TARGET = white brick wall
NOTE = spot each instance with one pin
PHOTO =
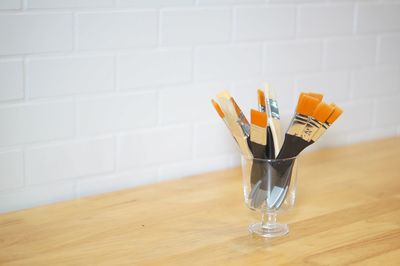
(35, 33)
(11, 80)
(70, 75)
(100, 95)
(137, 70)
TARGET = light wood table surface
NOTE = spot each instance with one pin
(347, 212)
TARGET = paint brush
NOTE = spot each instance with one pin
(245, 125)
(334, 115)
(317, 125)
(294, 143)
(258, 142)
(319, 116)
(274, 120)
(258, 133)
(263, 107)
(234, 123)
(318, 96)
(261, 101)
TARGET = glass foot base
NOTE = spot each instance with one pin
(269, 230)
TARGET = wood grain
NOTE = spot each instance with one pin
(347, 213)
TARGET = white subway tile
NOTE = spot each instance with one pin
(228, 62)
(115, 113)
(229, 2)
(376, 81)
(10, 4)
(213, 139)
(11, 80)
(120, 29)
(350, 52)
(11, 170)
(150, 68)
(69, 3)
(70, 75)
(325, 20)
(292, 57)
(33, 33)
(389, 51)
(255, 23)
(36, 122)
(155, 3)
(195, 26)
(297, 1)
(371, 134)
(36, 195)
(334, 85)
(118, 181)
(195, 166)
(356, 115)
(69, 160)
(155, 146)
(188, 103)
(387, 111)
(378, 17)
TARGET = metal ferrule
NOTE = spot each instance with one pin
(320, 131)
(310, 129)
(244, 124)
(274, 109)
(297, 125)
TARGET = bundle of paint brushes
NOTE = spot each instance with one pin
(263, 138)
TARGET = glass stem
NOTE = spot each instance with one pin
(268, 218)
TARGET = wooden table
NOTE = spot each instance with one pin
(347, 212)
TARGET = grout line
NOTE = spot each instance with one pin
(194, 138)
(25, 84)
(378, 49)
(74, 32)
(233, 24)
(116, 153)
(159, 28)
(297, 22)
(75, 117)
(24, 5)
(116, 85)
(355, 18)
(158, 101)
(24, 166)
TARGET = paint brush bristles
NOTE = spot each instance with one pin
(337, 111)
(318, 96)
(335, 115)
(233, 122)
(258, 130)
(245, 125)
(307, 105)
(218, 108)
(258, 142)
(261, 100)
(322, 112)
(318, 117)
